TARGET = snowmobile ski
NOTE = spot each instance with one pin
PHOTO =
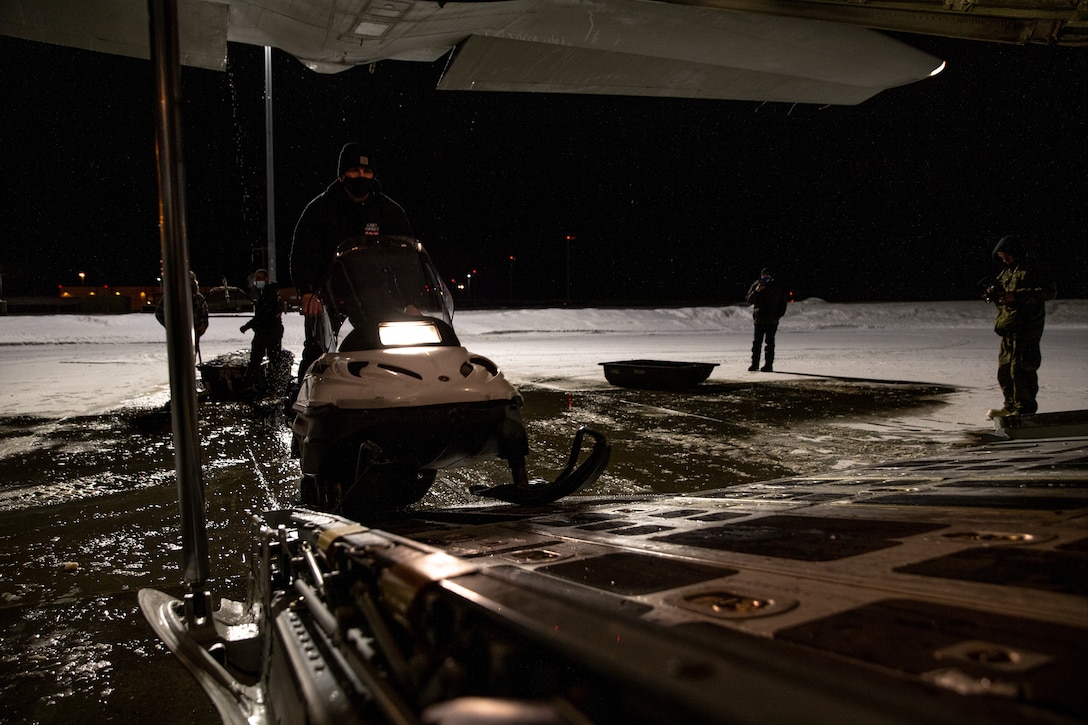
(573, 478)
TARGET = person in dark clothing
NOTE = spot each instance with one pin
(769, 300)
(351, 206)
(267, 323)
(1020, 293)
(200, 310)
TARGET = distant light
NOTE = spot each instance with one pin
(939, 68)
(415, 332)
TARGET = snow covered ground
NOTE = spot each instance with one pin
(71, 365)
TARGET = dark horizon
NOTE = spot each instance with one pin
(900, 198)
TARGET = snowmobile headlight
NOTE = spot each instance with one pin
(409, 332)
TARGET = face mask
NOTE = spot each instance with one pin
(764, 280)
(259, 285)
(360, 186)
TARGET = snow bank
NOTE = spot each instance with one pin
(65, 365)
(810, 314)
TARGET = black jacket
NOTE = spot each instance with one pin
(267, 310)
(331, 218)
(769, 303)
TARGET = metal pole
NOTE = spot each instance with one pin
(270, 186)
(568, 269)
(180, 336)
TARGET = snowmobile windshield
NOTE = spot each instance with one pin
(386, 284)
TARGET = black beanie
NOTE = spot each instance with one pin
(354, 155)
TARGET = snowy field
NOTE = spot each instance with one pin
(72, 365)
(88, 505)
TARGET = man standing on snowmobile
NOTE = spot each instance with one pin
(769, 301)
(1020, 292)
(267, 324)
(351, 206)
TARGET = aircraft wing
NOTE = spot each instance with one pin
(625, 47)
(119, 27)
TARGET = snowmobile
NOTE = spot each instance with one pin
(399, 398)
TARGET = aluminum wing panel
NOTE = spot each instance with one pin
(667, 51)
(119, 27)
(626, 47)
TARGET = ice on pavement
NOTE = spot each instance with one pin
(66, 365)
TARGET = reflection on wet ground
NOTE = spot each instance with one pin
(718, 434)
(88, 511)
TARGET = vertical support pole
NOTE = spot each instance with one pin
(180, 336)
(569, 238)
(270, 184)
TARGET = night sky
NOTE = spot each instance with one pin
(668, 201)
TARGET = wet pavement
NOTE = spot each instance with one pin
(88, 510)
